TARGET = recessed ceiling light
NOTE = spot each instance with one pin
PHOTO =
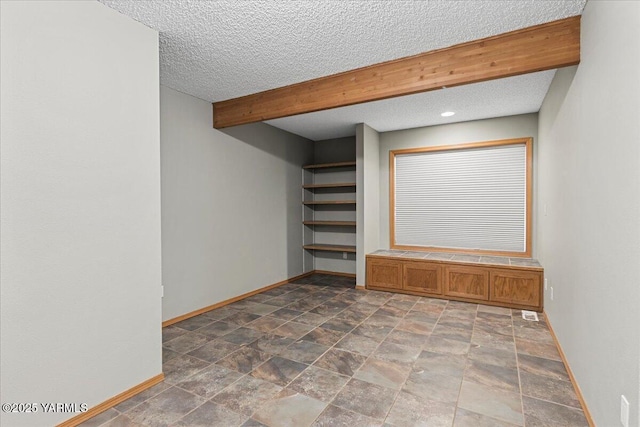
(447, 114)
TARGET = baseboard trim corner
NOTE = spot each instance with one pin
(335, 273)
(110, 403)
(232, 300)
(576, 387)
(361, 287)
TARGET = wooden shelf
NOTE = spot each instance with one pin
(330, 165)
(340, 184)
(331, 248)
(330, 202)
(334, 223)
(339, 176)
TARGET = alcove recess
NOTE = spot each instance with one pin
(329, 207)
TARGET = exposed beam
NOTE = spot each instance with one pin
(542, 47)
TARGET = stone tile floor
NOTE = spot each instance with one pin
(319, 353)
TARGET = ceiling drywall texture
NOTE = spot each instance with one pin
(217, 50)
(495, 98)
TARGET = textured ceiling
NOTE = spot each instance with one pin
(495, 98)
(217, 50)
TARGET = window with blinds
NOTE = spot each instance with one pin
(471, 197)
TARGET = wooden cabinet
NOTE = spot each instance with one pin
(467, 282)
(422, 277)
(516, 287)
(503, 285)
(384, 274)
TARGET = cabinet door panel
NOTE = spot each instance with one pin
(422, 277)
(516, 287)
(384, 273)
(467, 282)
(500, 289)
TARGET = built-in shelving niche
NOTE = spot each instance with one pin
(329, 204)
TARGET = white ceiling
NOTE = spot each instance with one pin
(496, 98)
(222, 49)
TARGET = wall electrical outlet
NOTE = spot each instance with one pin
(344, 255)
(624, 411)
(551, 293)
(545, 283)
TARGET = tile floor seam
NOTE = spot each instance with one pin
(193, 394)
(397, 392)
(363, 363)
(206, 361)
(189, 376)
(455, 413)
(515, 348)
(549, 377)
(380, 376)
(194, 409)
(109, 420)
(208, 399)
(295, 378)
(351, 377)
(257, 409)
(406, 379)
(386, 416)
(383, 419)
(212, 397)
(411, 367)
(523, 394)
(135, 406)
(551, 401)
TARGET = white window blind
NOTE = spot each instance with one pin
(471, 198)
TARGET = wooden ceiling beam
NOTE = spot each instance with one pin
(542, 47)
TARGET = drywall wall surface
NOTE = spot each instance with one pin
(360, 264)
(589, 209)
(368, 190)
(524, 125)
(231, 205)
(80, 206)
(334, 150)
(330, 151)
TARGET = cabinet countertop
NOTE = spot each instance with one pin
(498, 261)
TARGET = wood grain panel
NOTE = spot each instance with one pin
(330, 202)
(542, 47)
(500, 290)
(330, 248)
(422, 277)
(384, 274)
(335, 273)
(516, 287)
(330, 165)
(336, 185)
(467, 282)
(331, 223)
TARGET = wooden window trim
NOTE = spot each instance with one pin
(529, 198)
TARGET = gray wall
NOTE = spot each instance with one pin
(525, 125)
(368, 208)
(589, 239)
(231, 205)
(334, 150)
(80, 206)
